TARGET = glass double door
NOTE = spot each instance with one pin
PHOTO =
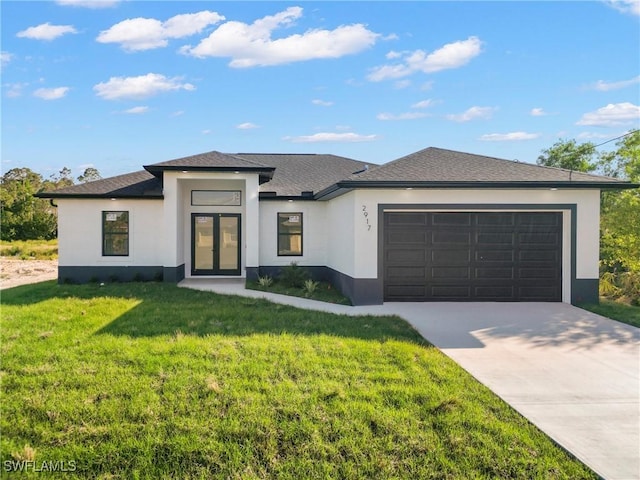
(215, 244)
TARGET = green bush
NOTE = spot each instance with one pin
(293, 276)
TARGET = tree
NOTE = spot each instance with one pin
(620, 213)
(62, 179)
(24, 216)
(568, 154)
(90, 175)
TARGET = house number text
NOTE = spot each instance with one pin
(365, 214)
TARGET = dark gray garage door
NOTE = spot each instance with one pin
(462, 256)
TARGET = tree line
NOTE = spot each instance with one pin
(619, 210)
(25, 217)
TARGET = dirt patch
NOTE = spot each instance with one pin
(14, 272)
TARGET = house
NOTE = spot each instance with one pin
(433, 225)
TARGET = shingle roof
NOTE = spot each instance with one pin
(328, 175)
(439, 165)
(211, 159)
(297, 173)
(140, 184)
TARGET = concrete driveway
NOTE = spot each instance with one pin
(573, 374)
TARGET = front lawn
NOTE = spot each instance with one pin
(154, 381)
(619, 311)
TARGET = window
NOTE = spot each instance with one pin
(216, 197)
(290, 234)
(115, 234)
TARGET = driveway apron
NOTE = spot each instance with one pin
(572, 373)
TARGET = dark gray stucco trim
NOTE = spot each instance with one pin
(109, 274)
(360, 291)
(585, 290)
(582, 290)
(173, 274)
(253, 273)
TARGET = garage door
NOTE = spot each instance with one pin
(472, 256)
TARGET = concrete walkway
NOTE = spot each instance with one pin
(574, 374)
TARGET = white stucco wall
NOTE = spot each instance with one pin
(344, 235)
(359, 259)
(314, 232)
(80, 232)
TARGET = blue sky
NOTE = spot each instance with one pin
(120, 84)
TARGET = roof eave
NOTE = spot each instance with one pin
(484, 184)
(155, 169)
(345, 186)
(101, 196)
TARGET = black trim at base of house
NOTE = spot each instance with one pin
(361, 291)
(109, 274)
(173, 274)
(585, 290)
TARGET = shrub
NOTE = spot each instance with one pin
(310, 287)
(293, 276)
(265, 281)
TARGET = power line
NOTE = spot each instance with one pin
(621, 136)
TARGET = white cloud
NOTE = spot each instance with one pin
(137, 110)
(423, 104)
(400, 84)
(607, 86)
(472, 114)
(332, 137)
(252, 45)
(136, 34)
(177, 113)
(322, 103)
(139, 87)
(5, 58)
(247, 126)
(537, 112)
(393, 55)
(14, 89)
(46, 31)
(88, 3)
(51, 93)
(509, 137)
(427, 85)
(631, 7)
(401, 116)
(612, 115)
(206, 132)
(451, 55)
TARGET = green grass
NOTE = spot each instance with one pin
(324, 292)
(30, 249)
(619, 311)
(151, 381)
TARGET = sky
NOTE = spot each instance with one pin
(117, 84)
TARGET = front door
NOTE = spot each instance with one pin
(215, 244)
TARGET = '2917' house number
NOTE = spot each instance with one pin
(366, 217)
